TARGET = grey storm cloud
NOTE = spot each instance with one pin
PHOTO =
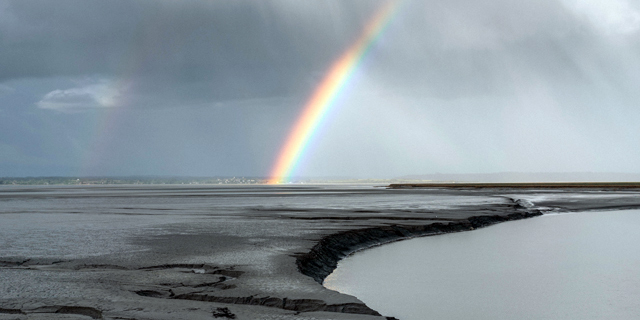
(463, 48)
(211, 87)
(215, 50)
(236, 49)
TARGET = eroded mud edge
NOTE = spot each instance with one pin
(323, 258)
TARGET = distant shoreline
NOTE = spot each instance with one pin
(521, 185)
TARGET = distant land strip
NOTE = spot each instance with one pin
(519, 185)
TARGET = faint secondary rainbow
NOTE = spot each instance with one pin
(326, 93)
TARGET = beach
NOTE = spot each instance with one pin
(236, 252)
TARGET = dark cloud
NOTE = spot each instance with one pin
(202, 51)
(236, 48)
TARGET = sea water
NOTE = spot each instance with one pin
(562, 266)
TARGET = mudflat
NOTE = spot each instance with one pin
(229, 252)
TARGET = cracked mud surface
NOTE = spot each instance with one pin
(225, 252)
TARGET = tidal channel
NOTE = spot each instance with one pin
(559, 266)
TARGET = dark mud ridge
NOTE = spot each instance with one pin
(71, 310)
(204, 292)
(324, 256)
(299, 305)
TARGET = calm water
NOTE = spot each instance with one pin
(570, 266)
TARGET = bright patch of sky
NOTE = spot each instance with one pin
(89, 94)
(609, 16)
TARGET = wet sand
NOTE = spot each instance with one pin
(263, 263)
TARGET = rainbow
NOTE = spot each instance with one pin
(326, 93)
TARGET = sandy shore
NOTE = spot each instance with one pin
(264, 263)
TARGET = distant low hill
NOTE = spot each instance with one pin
(527, 177)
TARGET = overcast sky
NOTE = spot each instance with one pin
(212, 88)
